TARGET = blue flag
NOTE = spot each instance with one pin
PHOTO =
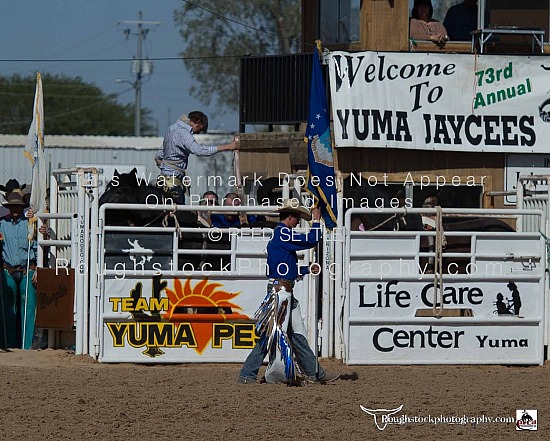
(321, 181)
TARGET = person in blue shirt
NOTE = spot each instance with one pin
(233, 220)
(283, 270)
(172, 158)
(18, 286)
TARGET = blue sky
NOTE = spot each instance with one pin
(78, 29)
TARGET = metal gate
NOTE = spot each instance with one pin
(163, 299)
(487, 307)
(73, 213)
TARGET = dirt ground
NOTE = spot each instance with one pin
(55, 395)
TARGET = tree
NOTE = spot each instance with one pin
(217, 33)
(71, 107)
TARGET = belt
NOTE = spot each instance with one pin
(287, 283)
(18, 269)
(173, 165)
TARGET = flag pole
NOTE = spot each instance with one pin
(243, 218)
(30, 236)
(316, 309)
(316, 258)
(26, 296)
(34, 151)
(2, 303)
(315, 199)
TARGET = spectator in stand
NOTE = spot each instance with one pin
(423, 26)
(460, 20)
(209, 198)
(227, 220)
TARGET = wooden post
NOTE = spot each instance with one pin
(384, 25)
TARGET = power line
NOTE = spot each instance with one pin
(50, 95)
(69, 112)
(236, 21)
(94, 60)
(230, 19)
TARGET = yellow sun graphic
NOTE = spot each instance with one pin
(201, 305)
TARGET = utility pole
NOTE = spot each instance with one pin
(140, 66)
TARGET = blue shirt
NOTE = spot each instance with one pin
(220, 220)
(282, 260)
(15, 244)
(177, 145)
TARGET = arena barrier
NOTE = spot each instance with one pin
(73, 210)
(162, 299)
(532, 192)
(489, 307)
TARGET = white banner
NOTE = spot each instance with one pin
(465, 102)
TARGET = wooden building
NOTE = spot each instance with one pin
(274, 92)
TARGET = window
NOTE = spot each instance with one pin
(339, 21)
(524, 14)
(460, 22)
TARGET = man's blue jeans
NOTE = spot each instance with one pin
(17, 310)
(303, 353)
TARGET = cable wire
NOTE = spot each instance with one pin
(229, 19)
(70, 112)
(93, 60)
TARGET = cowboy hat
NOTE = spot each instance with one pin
(12, 184)
(293, 206)
(15, 197)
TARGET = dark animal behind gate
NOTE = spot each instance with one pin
(379, 196)
(125, 189)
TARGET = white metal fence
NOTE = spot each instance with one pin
(488, 305)
(143, 295)
(166, 299)
(73, 214)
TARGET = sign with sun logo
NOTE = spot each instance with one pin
(201, 305)
(163, 317)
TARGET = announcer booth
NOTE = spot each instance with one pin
(483, 304)
(175, 294)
